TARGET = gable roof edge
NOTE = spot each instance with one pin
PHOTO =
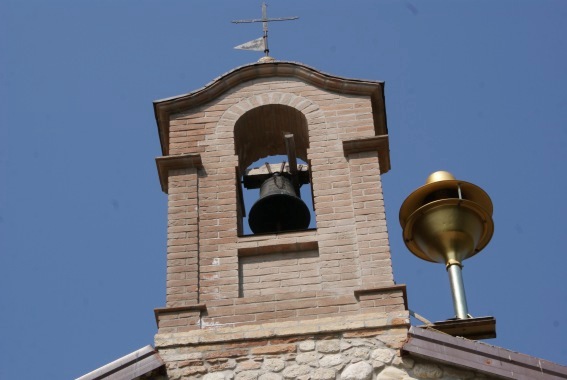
(480, 357)
(128, 367)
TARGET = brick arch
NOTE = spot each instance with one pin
(279, 107)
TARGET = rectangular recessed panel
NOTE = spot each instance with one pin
(280, 272)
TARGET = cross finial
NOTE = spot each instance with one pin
(261, 43)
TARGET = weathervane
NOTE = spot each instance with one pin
(261, 43)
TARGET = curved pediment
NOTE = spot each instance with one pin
(374, 89)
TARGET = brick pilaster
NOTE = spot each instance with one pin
(370, 220)
(183, 238)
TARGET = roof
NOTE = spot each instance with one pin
(131, 366)
(374, 89)
(480, 357)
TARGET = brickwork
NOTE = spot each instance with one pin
(182, 238)
(370, 223)
(275, 273)
(248, 280)
(179, 319)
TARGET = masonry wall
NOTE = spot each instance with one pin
(218, 278)
(365, 348)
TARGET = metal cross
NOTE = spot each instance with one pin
(265, 20)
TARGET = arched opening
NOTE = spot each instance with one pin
(262, 144)
(259, 133)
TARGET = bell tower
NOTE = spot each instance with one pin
(234, 297)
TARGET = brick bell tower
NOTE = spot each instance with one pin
(318, 302)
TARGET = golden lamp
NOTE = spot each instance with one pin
(447, 221)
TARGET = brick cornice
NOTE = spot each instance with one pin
(167, 163)
(178, 309)
(385, 289)
(374, 89)
(379, 144)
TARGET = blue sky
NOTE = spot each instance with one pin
(474, 87)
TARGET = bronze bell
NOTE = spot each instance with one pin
(279, 208)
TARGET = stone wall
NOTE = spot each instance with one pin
(331, 349)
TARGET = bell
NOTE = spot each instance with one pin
(279, 208)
